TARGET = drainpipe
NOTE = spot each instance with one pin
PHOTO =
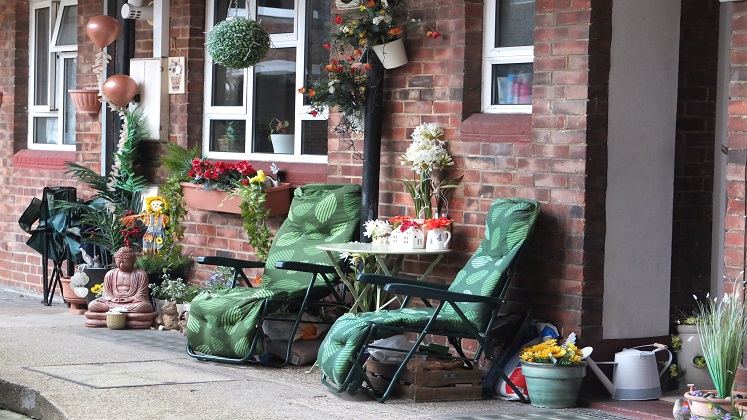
(124, 50)
(372, 142)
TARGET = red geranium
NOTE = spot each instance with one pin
(220, 175)
(403, 223)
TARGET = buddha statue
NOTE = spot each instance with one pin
(125, 289)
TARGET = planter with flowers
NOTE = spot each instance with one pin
(439, 235)
(722, 328)
(213, 183)
(281, 136)
(378, 230)
(407, 233)
(428, 157)
(554, 372)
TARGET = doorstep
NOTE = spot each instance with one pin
(650, 410)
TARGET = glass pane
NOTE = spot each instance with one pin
(45, 130)
(68, 34)
(515, 20)
(277, 16)
(274, 94)
(512, 84)
(314, 137)
(41, 56)
(227, 135)
(228, 86)
(317, 15)
(68, 109)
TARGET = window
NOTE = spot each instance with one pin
(53, 46)
(509, 54)
(240, 104)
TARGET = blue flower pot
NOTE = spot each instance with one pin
(553, 386)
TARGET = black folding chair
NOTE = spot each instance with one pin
(49, 237)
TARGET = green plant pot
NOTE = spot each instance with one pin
(553, 386)
(95, 276)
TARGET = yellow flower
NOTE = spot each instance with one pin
(259, 178)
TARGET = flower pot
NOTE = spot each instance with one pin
(78, 305)
(86, 101)
(553, 386)
(197, 198)
(702, 406)
(438, 238)
(116, 321)
(691, 349)
(282, 143)
(392, 54)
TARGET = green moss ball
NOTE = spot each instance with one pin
(238, 43)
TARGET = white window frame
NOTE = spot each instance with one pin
(297, 40)
(57, 55)
(493, 56)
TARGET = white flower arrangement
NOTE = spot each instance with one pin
(377, 229)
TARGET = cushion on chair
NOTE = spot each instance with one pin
(224, 324)
(508, 225)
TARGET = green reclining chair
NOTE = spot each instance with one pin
(227, 326)
(466, 309)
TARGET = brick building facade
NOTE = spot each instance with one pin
(557, 155)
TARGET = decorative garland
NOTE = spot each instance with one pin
(238, 43)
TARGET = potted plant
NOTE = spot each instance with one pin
(554, 372)
(722, 328)
(231, 140)
(171, 289)
(690, 354)
(281, 136)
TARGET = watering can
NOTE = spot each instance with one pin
(635, 376)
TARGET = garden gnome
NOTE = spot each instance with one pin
(125, 289)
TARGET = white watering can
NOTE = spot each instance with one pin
(635, 376)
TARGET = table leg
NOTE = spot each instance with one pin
(431, 267)
(335, 262)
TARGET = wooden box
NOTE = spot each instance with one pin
(437, 385)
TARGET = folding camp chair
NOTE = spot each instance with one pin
(466, 309)
(50, 236)
(228, 326)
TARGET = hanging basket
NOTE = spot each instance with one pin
(238, 43)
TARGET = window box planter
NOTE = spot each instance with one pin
(197, 198)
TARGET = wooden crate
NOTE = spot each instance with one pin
(437, 385)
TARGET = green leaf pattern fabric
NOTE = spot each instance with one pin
(224, 323)
(509, 222)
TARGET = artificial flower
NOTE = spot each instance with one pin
(549, 351)
(439, 223)
(377, 229)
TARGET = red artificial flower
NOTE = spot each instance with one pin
(433, 34)
(312, 92)
(366, 67)
(370, 3)
(338, 19)
(358, 52)
(395, 31)
(314, 113)
(302, 90)
(326, 46)
(441, 222)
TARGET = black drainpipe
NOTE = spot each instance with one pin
(372, 142)
(121, 50)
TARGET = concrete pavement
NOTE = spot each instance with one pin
(53, 367)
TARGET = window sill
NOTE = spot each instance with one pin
(43, 159)
(497, 128)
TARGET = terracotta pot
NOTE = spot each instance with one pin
(86, 101)
(78, 305)
(197, 198)
(702, 407)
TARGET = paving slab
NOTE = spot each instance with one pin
(53, 367)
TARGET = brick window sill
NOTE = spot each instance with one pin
(43, 159)
(497, 128)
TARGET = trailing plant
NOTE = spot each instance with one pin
(254, 214)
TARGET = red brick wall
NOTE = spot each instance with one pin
(693, 184)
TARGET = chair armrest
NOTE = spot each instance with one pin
(382, 280)
(442, 295)
(306, 267)
(229, 262)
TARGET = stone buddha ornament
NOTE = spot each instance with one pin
(125, 290)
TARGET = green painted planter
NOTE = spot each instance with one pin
(553, 386)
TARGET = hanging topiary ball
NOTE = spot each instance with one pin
(238, 43)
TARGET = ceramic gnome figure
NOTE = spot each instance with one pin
(126, 290)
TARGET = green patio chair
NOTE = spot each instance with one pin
(466, 309)
(227, 326)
